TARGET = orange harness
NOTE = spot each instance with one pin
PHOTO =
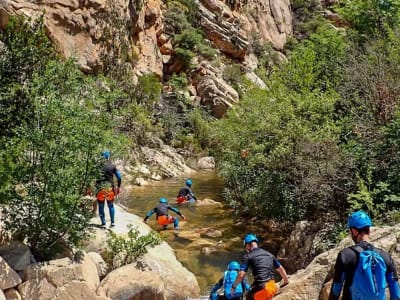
(165, 220)
(268, 292)
(105, 194)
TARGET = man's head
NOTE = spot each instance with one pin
(359, 223)
(250, 241)
(106, 154)
(188, 182)
(163, 200)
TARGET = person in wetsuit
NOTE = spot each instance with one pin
(226, 282)
(262, 264)
(359, 224)
(106, 188)
(186, 194)
(163, 218)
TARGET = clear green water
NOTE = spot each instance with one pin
(207, 268)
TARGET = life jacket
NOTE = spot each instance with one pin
(229, 279)
(369, 281)
(181, 199)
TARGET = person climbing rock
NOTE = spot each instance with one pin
(366, 271)
(163, 218)
(185, 194)
(226, 282)
(106, 190)
(262, 264)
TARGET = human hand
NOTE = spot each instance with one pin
(117, 191)
(144, 220)
(283, 284)
(183, 217)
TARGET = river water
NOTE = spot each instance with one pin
(208, 268)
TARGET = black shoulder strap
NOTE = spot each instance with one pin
(357, 248)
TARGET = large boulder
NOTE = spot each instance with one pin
(61, 279)
(160, 260)
(130, 283)
(17, 255)
(8, 277)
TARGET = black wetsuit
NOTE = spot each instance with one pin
(162, 210)
(262, 264)
(186, 192)
(346, 264)
(108, 172)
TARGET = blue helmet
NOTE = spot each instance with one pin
(163, 200)
(188, 182)
(249, 238)
(233, 265)
(359, 219)
(105, 154)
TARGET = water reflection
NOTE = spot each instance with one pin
(207, 268)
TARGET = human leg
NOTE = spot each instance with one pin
(111, 209)
(101, 212)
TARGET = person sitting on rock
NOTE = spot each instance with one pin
(226, 282)
(162, 216)
(185, 194)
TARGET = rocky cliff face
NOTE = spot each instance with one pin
(85, 29)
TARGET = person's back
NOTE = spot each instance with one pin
(369, 280)
(186, 193)
(227, 281)
(261, 263)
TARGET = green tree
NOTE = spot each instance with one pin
(52, 160)
(25, 49)
(369, 17)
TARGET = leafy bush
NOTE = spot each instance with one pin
(25, 49)
(369, 17)
(52, 160)
(132, 247)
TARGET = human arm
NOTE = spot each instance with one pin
(149, 214)
(338, 279)
(392, 280)
(175, 210)
(281, 270)
(215, 288)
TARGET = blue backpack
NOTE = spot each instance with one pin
(369, 281)
(229, 279)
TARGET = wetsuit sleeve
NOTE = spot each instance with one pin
(392, 280)
(191, 194)
(175, 210)
(277, 264)
(245, 263)
(338, 279)
(150, 213)
(217, 286)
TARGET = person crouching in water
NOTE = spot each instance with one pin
(226, 282)
(162, 216)
(185, 194)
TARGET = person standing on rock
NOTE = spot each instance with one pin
(106, 190)
(163, 218)
(185, 194)
(262, 264)
(366, 271)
